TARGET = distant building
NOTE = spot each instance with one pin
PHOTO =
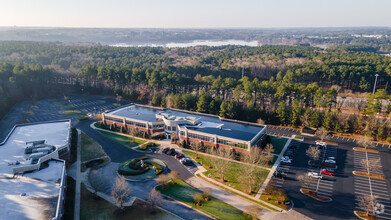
(32, 175)
(189, 126)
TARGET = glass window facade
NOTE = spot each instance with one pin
(201, 137)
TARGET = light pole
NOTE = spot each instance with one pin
(374, 86)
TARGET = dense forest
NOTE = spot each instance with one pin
(287, 85)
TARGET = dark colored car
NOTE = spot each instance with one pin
(279, 175)
(289, 153)
(165, 150)
(281, 170)
(171, 152)
(293, 147)
(314, 164)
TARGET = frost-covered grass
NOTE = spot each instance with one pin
(125, 140)
(90, 149)
(98, 208)
(217, 208)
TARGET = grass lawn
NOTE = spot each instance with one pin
(278, 143)
(97, 208)
(273, 201)
(82, 117)
(233, 174)
(216, 208)
(90, 149)
(72, 112)
(125, 140)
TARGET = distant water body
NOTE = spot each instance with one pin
(194, 43)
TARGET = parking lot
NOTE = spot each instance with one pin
(367, 186)
(324, 185)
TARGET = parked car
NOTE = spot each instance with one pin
(315, 175)
(321, 143)
(314, 164)
(171, 151)
(286, 160)
(281, 170)
(186, 161)
(279, 175)
(324, 171)
(289, 153)
(293, 147)
(329, 161)
(165, 150)
(179, 156)
(329, 169)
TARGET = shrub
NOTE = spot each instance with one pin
(125, 169)
(389, 139)
(157, 167)
(133, 162)
(143, 147)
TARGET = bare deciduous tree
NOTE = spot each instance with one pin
(313, 152)
(207, 192)
(97, 181)
(220, 165)
(196, 147)
(254, 211)
(322, 133)
(371, 165)
(163, 180)
(173, 175)
(155, 199)
(197, 198)
(305, 120)
(367, 203)
(120, 192)
(251, 173)
(365, 142)
(305, 180)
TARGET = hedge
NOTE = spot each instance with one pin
(133, 162)
(157, 167)
(125, 169)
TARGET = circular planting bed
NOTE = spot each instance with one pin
(133, 169)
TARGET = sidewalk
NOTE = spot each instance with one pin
(275, 165)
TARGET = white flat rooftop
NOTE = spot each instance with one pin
(33, 195)
(55, 133)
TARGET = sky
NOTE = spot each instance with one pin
(195, 14)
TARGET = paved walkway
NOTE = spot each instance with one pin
(291, 215)
(78, 177)
(229, 198)
(275, 165)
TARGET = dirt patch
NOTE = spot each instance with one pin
(365, 150)
(363, 215)
(376, 176)
(313, 194)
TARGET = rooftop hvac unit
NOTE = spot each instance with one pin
(36, 156)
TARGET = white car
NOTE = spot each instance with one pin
(286, 160)
(329, 161)
(315, 175)
(321, 143)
